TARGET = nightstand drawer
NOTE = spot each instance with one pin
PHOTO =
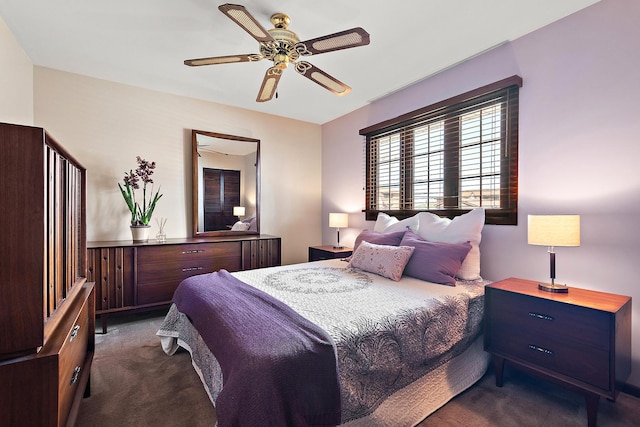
(582, 362)
(569, 324)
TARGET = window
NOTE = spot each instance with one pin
(448, 158)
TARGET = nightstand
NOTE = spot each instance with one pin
(317, 253)
(580, 339)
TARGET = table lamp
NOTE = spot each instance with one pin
(238, 211)
(338, 220)
(551, 231)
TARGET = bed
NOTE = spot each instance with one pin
(403, 346)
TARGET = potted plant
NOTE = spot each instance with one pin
(140, 214)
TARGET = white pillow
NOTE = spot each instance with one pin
(390, 224)
(240, 226)
(463, 228)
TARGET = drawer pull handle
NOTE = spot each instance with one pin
(191, 268)
(193, 251)
(540, 316)
(74, 332)
(75, 375)
(540, 349)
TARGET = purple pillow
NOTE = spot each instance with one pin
(388, 239)
(435, 262)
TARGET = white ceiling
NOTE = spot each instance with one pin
(144, 43)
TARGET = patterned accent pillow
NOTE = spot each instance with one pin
(384, 260)
(240, 226)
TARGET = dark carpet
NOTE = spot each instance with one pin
(133, 383)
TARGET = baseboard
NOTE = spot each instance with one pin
(631, 389)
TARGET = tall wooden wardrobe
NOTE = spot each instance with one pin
(47, 309)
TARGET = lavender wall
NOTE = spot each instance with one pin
(579, 149)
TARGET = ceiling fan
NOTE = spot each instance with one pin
(283, 47)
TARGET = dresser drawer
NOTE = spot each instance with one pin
(171, 263)
(174, 270)
(162, 268)
(71, 360)
(188, 252)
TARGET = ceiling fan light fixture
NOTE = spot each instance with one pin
(281, 61)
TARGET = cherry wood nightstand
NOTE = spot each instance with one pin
(580, 339)
(317, 253)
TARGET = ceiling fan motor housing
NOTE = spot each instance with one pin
(283, 52)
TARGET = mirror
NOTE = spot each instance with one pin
(226, 184)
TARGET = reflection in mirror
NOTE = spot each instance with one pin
(226, 184)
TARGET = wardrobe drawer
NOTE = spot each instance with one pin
(71, 360)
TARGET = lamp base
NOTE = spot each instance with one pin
(338, 247)
(559, 289)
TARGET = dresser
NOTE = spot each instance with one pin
(143, 276)
(580, 339)
(47, 307)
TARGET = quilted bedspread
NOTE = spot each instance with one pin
(387, 334)
(276, 365)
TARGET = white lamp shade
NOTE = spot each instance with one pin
(338, 220)
(554, 230)
(238, 211)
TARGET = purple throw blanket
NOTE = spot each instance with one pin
(279, 369)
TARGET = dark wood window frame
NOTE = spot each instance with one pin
(506, 92)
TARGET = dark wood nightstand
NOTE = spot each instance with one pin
(580, 339)
(317, 253)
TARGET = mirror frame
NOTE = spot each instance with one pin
(196, 191)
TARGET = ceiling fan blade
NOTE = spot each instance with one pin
(214, 60)
(318, 76)
(343, 40)
(243, 18)
(269, 84)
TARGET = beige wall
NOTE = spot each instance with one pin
(16, 80)
(106, 125)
